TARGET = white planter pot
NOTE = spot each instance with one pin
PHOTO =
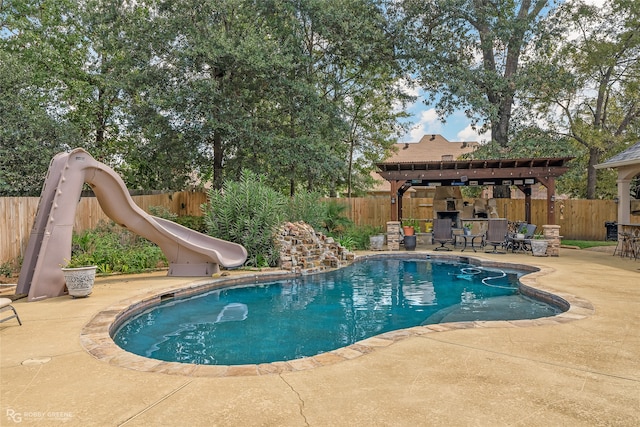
(376, 242)
(539, 247)
(79, 280)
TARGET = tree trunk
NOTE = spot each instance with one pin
(500, 128)
(217, 161)
(594, 159)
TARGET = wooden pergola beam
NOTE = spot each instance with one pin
(520, 172)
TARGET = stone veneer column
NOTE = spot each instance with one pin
(393, 235)
(552, 235)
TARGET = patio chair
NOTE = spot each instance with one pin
(496, 234)
(523, 244)
(531, 231)
(5, 304)
(442, 233)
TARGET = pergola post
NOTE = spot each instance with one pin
(396, 200)
(624, 200)
(526, 189)
(550, 183)
(551, 201)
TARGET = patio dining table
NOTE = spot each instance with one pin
(471, 238)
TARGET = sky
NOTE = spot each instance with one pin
(425, 122)
(457, 127)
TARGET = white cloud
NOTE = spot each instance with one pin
(468, 134)
(428, 123)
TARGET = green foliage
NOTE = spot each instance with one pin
(471, 192)
(336, 220)
(114, 249)
(162, 212)
(468, 56)
(29, 136)
(587, 86)
(305, 206)
(176, 94)
(347, 242)
(357, 237)
(193, 222)
(6, 269)
(411, 222)
(247, 212)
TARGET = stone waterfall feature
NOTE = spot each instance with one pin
(304, 250)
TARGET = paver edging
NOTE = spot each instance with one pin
(96, 338)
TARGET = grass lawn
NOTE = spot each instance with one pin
(583, 244)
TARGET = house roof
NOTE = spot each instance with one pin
(630, 156)
(430, 148)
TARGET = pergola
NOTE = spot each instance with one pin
(522, 173)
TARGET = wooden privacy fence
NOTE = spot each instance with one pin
(578, 219)
(17, 215)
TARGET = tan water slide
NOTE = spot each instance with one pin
(189, 253)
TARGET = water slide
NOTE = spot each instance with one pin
(189, 253)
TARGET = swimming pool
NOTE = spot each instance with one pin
(308, 315)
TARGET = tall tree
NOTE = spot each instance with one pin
(468, 54)
(588, 85)
(29, 136)
(167, 90)
(34, 127)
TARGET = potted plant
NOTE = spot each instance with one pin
(539, 245)
(522, 231)
(467, 228)
(409, 227)
(79, 277)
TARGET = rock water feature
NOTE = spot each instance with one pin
(303, 250)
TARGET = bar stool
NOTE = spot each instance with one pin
(623, 243)
(634, 243)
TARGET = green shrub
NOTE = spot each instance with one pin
(358, 236)
(307, 207)
(336, 220)
(193, 222)
(162, 212)
(115, 249)
(6, 269)
(247, 212)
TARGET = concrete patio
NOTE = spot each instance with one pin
(579, 369)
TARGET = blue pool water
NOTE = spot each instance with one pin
(308, 315)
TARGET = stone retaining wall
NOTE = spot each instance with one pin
(303, 250)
